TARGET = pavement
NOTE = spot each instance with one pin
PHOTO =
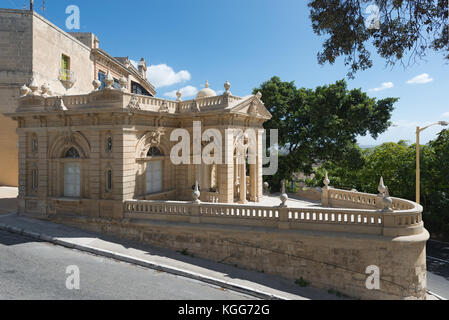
(251, 283)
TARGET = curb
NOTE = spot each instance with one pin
(143, 263)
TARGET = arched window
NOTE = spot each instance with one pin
(154, 152)
(108, 180)
(72, 153)
(34, 179)
(109, 144)
(154, 171)
(34, 144)
(72, 174)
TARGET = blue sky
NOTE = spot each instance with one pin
(187, 42)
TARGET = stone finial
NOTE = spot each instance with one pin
(24, 91)
(34, 87)
(109, 80)
(97, 84)
(49, 90)
(326, 180)
(178, 95)
(207, 84)
(123, 82)
(44, 90)
(284, 196)
(227, 86)
(196, 193)
(266, 187)
(259, 95)
(381, 187)
(387, 201)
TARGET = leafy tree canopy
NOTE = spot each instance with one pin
(404, 28)
(321, 124)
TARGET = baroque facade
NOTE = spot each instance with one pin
(86, 154)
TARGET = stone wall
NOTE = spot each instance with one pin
(335, 261)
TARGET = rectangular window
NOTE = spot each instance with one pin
(72, 180)
(138, 89)
(65, 67)
(101, 77)
(154, 177)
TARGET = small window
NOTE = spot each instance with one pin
(34, 144)
(154, 152)
(109, 180)
(109, 144)
(72, 153)
(34, 179)
(65, 66)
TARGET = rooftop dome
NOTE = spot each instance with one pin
(206, 92)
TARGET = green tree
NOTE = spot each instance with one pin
(406, 31)
(321, 124)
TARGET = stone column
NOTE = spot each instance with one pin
(225, 170)
(242, 167)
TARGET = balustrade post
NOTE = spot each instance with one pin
(284, 222)
(195, 213)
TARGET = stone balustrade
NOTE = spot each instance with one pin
(117, 99)
(357, 213)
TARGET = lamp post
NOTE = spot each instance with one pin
(418, 156)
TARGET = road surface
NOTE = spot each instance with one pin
(37, 270)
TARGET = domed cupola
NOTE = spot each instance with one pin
(206, 92)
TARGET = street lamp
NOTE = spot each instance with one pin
(418, 149)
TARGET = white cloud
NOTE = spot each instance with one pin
(445, 115)
(383, 86)
(187, 91)
(420, 79)
(162, 75)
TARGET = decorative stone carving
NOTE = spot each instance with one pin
(259, 95)
(178, 95)
(326, 181)
(24, 91)
(195, 107)
(34, 87)
(59, 104)
(252, 110)
(154, 137)
(284, 196)
(97, 84)
(109, 80)
(227, 86)
(164, 107)
(123, 82)
(44, 90)
(196, 193)
(68, 137)
(134, 104)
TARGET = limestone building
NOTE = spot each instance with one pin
(91, 134)
(31, 47)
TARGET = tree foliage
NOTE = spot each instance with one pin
(321, 124)
(406, 31)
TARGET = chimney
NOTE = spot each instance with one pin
(143, 68)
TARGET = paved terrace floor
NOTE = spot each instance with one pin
(274, 200)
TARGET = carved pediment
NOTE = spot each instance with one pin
(252, 107)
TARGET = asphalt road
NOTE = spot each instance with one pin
(438, 268)
(37, 270)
